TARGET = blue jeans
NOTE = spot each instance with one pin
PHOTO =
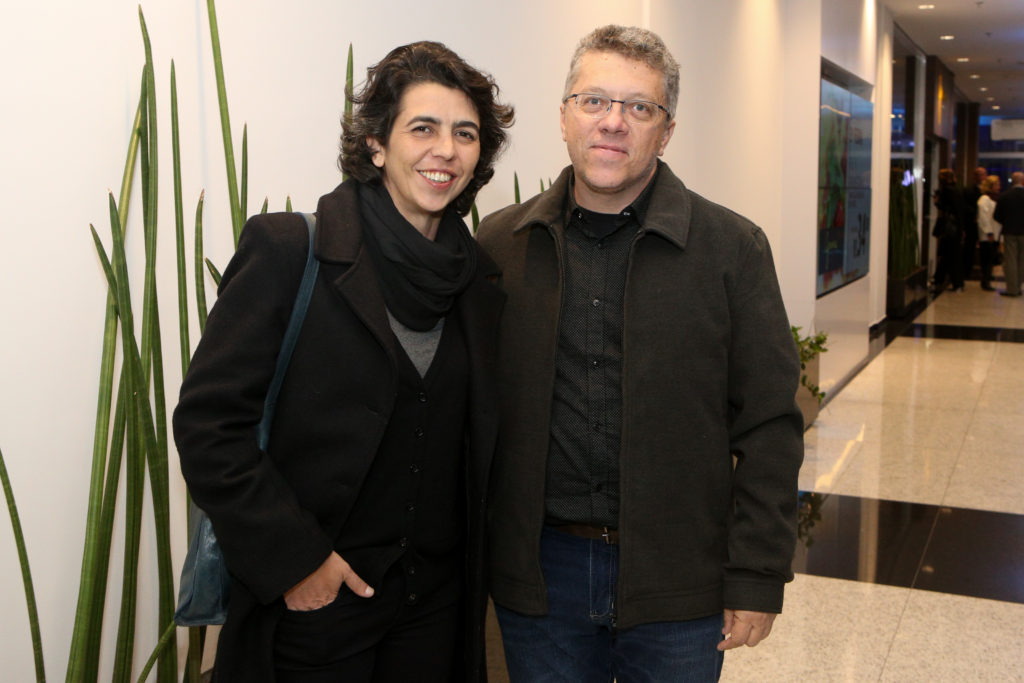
(577, 640)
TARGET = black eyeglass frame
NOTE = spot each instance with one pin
(611, 103)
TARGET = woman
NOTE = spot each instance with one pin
(355, 542)
(988, 230)
(950, 231)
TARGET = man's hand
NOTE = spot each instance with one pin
(321, 587)
(745, 628)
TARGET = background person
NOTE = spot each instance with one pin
(949, 229)
(355, 542)
(1009, 212)
(989, 230)
(644, 489)
(971, 194)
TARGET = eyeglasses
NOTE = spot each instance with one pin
(598, 106)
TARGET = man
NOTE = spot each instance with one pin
(1010, 212)
(971, 195)
(644, 488)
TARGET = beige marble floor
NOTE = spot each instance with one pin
(928, 421)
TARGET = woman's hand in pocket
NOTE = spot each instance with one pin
(321, 587)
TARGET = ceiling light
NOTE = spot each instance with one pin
(995, 107)
(926, 7)
(963, 59)
(983, 89)
(975, 76)
(990, 99)
(947, 37)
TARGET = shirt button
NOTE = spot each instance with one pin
(410, 508)
(419, 432)
(595, 363)
(411, 599)
(403, 541)
(422, 397)
(600, 245)
(411, 569)
(415, 469)
(595, 303)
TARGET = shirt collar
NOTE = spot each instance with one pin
(601, 225)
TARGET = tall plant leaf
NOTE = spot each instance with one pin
(106, 524)
(244, 199)
(179, 229)
(198, 265)
(347, 118)
(214, 273)
(141, 431)
(225, 123)
(92, 584)
(26, 572)
(152, 357)
(161, 647)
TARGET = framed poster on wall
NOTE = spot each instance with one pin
(844, 185)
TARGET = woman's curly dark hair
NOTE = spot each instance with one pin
(376, 106)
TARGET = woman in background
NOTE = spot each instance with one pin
(355, 541)
(988, 230)
(949, 228)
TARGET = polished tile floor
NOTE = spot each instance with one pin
(911, 560)
(910, 565)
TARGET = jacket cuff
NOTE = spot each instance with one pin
(753, 595)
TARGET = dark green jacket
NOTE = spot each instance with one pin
(710, 372)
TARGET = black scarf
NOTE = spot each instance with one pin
(420, 278)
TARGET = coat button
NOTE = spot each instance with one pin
(403, 541)
(422, 397)
(419, 432)
(411, 599)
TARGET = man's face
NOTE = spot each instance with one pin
(979, 175)
(614, 157)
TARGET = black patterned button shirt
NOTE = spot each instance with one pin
(586, 413)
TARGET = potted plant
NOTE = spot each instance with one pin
(809, 395)
(907, 281)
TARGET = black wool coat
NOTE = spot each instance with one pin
(278, 514)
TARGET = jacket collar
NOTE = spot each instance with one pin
(340, 207)
(668, 213)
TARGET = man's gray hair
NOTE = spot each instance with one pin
(632, 43)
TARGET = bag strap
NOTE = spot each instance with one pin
(291, 335)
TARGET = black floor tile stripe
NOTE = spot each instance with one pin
(975, 553)
(968, 333)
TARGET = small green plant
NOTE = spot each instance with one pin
(809, 347)
(903, 240)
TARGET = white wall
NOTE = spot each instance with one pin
(746, 137)
(881, 143)
(850, 33)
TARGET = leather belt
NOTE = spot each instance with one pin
(595, 533)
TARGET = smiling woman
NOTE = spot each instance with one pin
(429, 158)
(355, 541)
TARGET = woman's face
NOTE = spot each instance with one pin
(430, 154)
